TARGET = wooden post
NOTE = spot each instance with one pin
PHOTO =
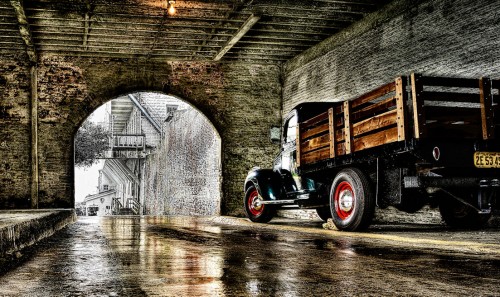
(331, 130)
(34, 137)
(418, 106)
(486, 107)
(400, 107)
(297, 145)
(347, 127)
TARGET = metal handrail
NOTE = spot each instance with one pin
(116, 205)
(134, 205)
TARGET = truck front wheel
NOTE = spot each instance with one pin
(255, 211)
(352, 203)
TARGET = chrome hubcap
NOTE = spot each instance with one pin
(256, 203)
(346, 200)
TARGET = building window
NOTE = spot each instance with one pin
(105, 187)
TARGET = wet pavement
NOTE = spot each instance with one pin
(180, 256)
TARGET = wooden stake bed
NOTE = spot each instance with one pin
(423, 108)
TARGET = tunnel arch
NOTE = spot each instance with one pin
(242, 101)
(180, 175)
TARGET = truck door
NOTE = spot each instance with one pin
(289, 149)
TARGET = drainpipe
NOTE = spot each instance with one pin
(145, 112)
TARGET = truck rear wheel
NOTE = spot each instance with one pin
(255, 211)
(352, 203)
(459, 215)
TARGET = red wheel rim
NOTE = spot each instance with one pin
(254, 208)
(344, 200)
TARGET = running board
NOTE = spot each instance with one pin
(280, 202)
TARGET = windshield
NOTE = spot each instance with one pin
(291, 129)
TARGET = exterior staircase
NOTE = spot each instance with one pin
(126, 211)
(132, 207)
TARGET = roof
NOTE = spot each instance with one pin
(256, 31)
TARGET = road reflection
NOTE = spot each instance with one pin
(181, 256)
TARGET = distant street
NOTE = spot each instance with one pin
(179, 256)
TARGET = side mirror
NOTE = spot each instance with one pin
(275, 134)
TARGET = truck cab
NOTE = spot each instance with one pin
(283, 186)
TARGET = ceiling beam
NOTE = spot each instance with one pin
(252, 20)
(24, 30)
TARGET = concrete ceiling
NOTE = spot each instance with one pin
(257, 31)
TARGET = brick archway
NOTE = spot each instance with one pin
(241, 100)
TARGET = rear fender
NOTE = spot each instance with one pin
(268, 183)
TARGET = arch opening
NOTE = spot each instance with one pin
(163, 157)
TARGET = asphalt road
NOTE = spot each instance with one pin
(221, 256)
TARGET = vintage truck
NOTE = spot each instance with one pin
(415, 141)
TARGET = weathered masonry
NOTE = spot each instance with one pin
(243, 64)
(70, 89)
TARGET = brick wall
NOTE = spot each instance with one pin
(182, 177)
(435, 37)
(242, 101)
(14, 133)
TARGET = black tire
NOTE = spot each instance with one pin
(324, 213)
(352, 202)
(257, 213)
(459, 215)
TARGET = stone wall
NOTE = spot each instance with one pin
(433, 37)
(14, 133)
(183, 176)
(242, 101)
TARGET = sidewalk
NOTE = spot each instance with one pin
(22, 228)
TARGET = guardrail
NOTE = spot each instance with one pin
(128, 141)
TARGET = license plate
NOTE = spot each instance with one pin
(486, 160)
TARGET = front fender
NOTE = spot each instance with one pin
(267, 182)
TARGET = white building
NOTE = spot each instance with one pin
(135, 123)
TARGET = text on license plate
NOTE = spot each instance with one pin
(486, 160)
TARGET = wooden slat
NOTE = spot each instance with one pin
(315, 143)
(348, 127)
(315, 156)
(339, 135)
(315, 131)
(373, 109)
(339, 120)
(376, 139)
(331, 132)
(381, 91)
(377, 122)
(450, 97)
(340, 149)
(322, 154)
(401, 98)
(315, 120)
(449, 82)
(487, 125)
(297, 145)
(418, 106)
(450, 114)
